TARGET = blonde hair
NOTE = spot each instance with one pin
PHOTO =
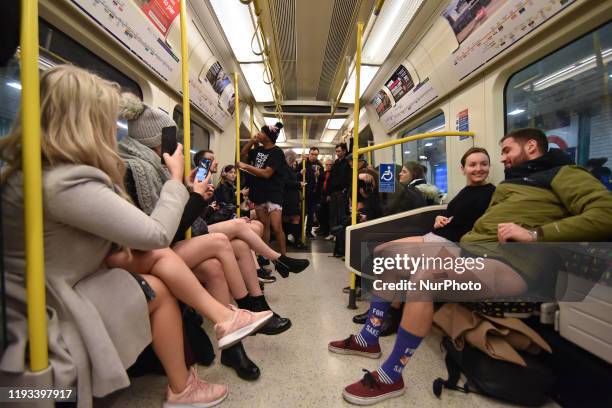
(78, 114)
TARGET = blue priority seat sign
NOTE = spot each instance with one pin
(386, 178)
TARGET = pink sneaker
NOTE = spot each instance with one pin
(197, 394)
(242, 324)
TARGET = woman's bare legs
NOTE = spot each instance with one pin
(170, 268)
(167, 333)
(210, 273)
(214, 245)
(276, 224)
(248, 268)
(256, 226)
(239, 228)
(264, 218)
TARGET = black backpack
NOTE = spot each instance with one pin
(527, 386)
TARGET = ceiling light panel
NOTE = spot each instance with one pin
(254, 74)
(367, 75)
(334, 124)
(329, 135)
(393, 19)
(237, 25)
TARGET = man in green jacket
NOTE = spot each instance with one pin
(542, 199)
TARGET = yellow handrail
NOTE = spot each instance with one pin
(303, 181)
(186, 105)
(356, 108)
(411, 138)
(32, 187)
(237, 116)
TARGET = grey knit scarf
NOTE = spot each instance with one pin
(148, 172)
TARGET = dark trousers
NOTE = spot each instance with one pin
(338, 209)
(323, 217)
(312, 203)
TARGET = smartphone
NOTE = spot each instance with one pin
(203, 167)
(169, 141)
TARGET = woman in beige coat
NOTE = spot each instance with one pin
(97, 318)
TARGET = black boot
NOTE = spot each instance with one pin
(262, 261)
(392, 321)
(284, 265)
(236, 358)
(277, 324)
(361, 318)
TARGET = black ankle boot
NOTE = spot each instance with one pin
(361, 318)
(391, 323)
(285, 264)
(245, 303)
(236, 358)
(276, 325)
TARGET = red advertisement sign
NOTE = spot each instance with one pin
(161, 12)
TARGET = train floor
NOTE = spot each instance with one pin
(297, 369)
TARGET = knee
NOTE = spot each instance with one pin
(215, 270)
(220, 239)
(162, 293)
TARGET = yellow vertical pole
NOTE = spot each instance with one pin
(186, 106)
(32, 186)
(352, 295)
(237, 116)
(252, 120)
(303, 180)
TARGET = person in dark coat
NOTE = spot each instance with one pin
(292, 209)
(314, 186)
(406, 196)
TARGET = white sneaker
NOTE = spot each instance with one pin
(291, 238)
(330, 237)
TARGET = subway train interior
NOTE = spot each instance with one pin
(280, 255)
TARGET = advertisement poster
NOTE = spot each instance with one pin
(565, 138)
(400, 83)
(484, 28)
(465, 16)
(223, 87)
(161, 12)
(125, 21)
(382, 102)
(412, 102)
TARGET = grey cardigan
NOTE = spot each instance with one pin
(97, 318)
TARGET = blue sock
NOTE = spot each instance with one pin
(405, 346)
(371, 330)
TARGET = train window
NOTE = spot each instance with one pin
(568, 95)
(59, 44)
(200, 137)
(429, 152)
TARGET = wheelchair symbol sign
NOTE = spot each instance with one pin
(386, 182)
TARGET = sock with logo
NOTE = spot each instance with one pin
(406, 344)
(371, 330)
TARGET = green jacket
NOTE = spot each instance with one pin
(576, 207)
(565, 202)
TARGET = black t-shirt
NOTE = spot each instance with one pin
(267, 189)
(465, 208)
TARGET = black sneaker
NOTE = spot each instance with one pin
(262, 261)
(264, 276)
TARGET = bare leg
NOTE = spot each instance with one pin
(210, 274)
(170, 268)
(247, 266)
(167, 333)
(198, 249)
(276, 223)
(264, 217)
(257, 227)
(240, 229)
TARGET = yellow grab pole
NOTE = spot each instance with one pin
(32, 182)
(237, 115)
(252, 120)
(303, 180)
(352, 296)
(186, 107)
